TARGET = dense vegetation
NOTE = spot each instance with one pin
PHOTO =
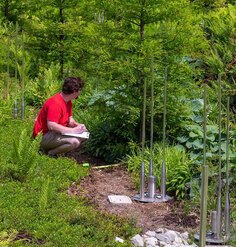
(115, 46)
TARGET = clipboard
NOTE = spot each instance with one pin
(84, 135)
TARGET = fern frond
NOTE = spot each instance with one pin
(43, 200)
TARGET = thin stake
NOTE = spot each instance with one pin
(151, 178)
(151, 134)
(8, 65)
(23, 83)
(204, 185)
(219, 206)
(227, 198)
(163, 172)
(16, 75)
(143, 142)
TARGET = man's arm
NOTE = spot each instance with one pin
(72, 123)
(53, 126)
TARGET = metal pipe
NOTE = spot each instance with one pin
(204, 185)
(151, 133)
(163, 170)
(8, 66)
(22, 80)
(213, 222)
(142, 175)
(219, 203)
(151, 178)
(203, 216)
(227, 198)
(16, 75)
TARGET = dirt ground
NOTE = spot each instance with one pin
(103, 182)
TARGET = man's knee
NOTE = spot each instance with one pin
(75, 143)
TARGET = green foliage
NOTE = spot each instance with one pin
(114, 127)
(193, 138)
(177, 163)
(43, 200)
(44, 86)
(36, 203)
(23, 156)
(6, 238)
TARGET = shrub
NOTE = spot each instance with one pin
(178, 166)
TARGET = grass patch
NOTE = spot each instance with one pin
(37, 207)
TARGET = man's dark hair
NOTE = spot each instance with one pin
(72, 84)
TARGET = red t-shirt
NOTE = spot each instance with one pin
(55, 109)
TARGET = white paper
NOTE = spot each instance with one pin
(84, 135)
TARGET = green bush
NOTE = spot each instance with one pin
(178, 166)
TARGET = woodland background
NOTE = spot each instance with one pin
(117, 46)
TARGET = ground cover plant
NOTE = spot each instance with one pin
(35, 207)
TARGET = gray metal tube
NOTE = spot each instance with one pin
(219, 203)
(16, 75)
(8, 66)
(151, 133)
(213, 222)
(163, 169)
(163, 180)
(151, 186)
(203, 216)
(142, 181)
(227, 198)
(151, 178)
(22, 80)
(142, 175)
(204, 184)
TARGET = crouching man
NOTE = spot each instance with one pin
(55, 119)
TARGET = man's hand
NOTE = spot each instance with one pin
(79, 128)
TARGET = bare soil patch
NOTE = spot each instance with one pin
(117, 181)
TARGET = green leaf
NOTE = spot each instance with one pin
(210, 137)
(189, 144)
(182, 139)
(197, 144)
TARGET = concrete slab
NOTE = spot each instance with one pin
(119, 199)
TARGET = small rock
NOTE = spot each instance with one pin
(151, 241)
(172, 235)
(162, 244)
(137, 240)
(160, 230)
(163, 237)
(184, 235)
(120, 240)
(178, 240)
(150, 234)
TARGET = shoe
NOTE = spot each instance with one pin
(54, 156)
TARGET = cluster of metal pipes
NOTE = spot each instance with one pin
(15, 108)
(151, 195)
(220, 231)
(217, 235)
